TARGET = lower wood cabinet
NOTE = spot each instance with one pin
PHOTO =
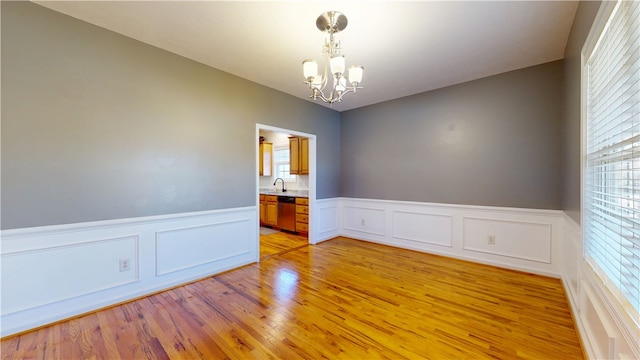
(263, 206)
(269, 210)
(302, 215)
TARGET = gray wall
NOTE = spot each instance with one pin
(585, 16)
(98, 126)
(494, 141)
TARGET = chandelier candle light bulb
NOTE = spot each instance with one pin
(310, 69)
(355, 74)
(337, 65)
(331, 22)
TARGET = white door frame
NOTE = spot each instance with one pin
(312, 178)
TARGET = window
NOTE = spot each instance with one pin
(611, 196)
(281, 164)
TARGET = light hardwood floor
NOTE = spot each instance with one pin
(279, 243)
(341, 299)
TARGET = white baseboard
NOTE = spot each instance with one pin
(546, 242)
(525, 239)
(56, 272)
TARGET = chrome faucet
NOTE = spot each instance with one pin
(274, 184)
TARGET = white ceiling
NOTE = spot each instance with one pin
(406, 47)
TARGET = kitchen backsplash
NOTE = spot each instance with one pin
(302, 183)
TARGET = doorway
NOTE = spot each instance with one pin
(285, 191)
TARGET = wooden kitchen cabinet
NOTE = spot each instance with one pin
(298, 156)
(294, 155)
(304, 156)
(269, 216)
(302, 215)
(266, 159)
(263, 206)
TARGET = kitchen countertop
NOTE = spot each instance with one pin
(296, 193)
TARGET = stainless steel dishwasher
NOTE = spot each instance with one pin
(287, 213)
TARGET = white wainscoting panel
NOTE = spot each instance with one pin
(183, 248)
(327, 219)
(526, 239)
(75, 270)
(598, 327)
(364, 219)
(606, 331)
(571, 258)
(522, 240)
(56, 272)
(423, 227)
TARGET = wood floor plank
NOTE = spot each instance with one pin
(280, 242)
(341, 299)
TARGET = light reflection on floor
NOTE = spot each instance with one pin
(285, 285)
(286, 282)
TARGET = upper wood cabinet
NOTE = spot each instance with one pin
(266, 159)
(294, 155)
(299, 156)
(304, 156)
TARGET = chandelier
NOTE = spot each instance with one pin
(331, 22)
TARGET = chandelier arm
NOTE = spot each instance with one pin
(318, 93)
(324, 98)
(333, 96)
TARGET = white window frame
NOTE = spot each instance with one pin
(276, 165)
(624, 310)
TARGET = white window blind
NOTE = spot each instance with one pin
(612, 171)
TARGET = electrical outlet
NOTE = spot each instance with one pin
(361, 221)
(125, 265)
(491, 240)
